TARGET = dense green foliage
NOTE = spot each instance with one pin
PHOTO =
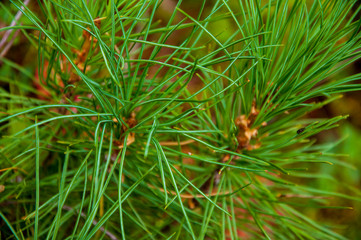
(134, 121)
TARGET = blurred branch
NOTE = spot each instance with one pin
(8, 32)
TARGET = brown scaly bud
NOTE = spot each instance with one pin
(245, 132)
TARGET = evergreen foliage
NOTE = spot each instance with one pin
(193, 126)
